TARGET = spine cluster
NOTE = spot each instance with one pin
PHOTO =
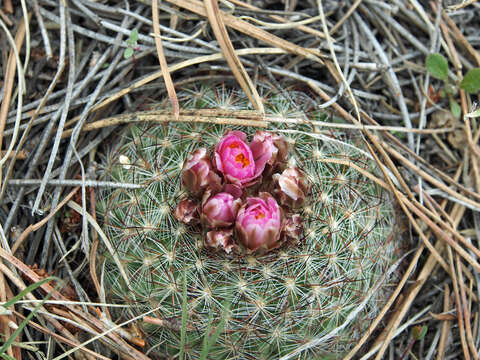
(277, 300)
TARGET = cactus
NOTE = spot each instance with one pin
(317, 294)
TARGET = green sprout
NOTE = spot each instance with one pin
(437, 65)
(131, 44)
(418, 332)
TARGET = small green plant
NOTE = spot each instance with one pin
(131, 44)
(418, 333)
(437, 65)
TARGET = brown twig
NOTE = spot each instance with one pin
(163, 62)
(217, 23)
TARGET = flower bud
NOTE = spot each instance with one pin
(222, 239)
(198, 173)
(238, 163)
(232, 189)
(293, 227)
(265, 142)
(259, 223)
(187, 211)
(291, 187)
(220, 210)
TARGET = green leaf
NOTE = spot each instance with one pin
(455, 108)
(207, 344)
(419, 331)
(471, 81)
(127, 54)
(134, 35)
(437, 65)
(25, 291)
(7, 357)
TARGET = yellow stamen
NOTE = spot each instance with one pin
(241, 158)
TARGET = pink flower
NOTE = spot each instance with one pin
(265, 142)
(259, 223)
(240, 163)
(187, 211)
(220, 210)
(198, 173)
(291, 187)
(222, 239)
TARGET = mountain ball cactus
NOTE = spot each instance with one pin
(280, 244)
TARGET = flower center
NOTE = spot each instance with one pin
(259, 215)
(242, 159)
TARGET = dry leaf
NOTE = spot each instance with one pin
(443, 316)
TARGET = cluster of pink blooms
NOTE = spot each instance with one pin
(244, 193)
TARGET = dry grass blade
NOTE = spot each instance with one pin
(344, 18)
(280, 19)
(184, 64)
(388, 305)
(460, 319)
(10, 72)
(121, 346)
(442, 345)
(87, 352)
(104, 238)
(20, 156)
(251, 30)
(461, 38)
(466, 311)
(93, 253)
(374, 73)
(34, 278)
(220, 31)
(35, 227)
(6, 318)
(162, 116)
(467, 201)
(163, 62)
(411, 294)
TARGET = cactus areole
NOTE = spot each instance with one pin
(282, 244)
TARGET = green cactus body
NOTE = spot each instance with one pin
(315, 295)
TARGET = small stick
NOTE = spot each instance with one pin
(461, 327)
(22, 155)
(163, 62)
(466, 311)
(442, 345)
(460, 38)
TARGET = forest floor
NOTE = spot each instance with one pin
(71, 68)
